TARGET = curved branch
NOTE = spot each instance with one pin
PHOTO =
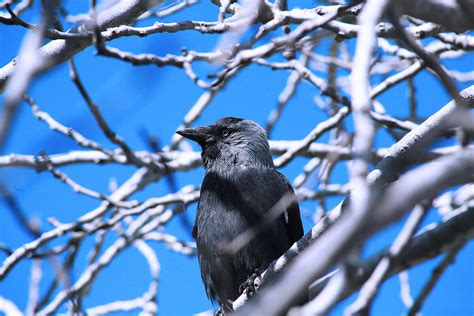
(58, 51)
(387, 171)
(450, 14)
(429, 243)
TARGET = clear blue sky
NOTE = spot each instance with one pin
(155, 99)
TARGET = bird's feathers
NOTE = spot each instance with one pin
(239, 202)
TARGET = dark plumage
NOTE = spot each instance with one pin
(240, 186)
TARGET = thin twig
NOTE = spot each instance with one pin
(371, 287)
(435, 276)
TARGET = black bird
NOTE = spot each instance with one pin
(239, 189)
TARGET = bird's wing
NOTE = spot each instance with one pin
(294, 226)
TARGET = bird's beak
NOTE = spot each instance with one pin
(198, 134)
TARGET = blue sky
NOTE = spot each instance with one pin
(155, 99)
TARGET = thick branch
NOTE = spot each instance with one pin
(429, 243)
(449, 13)
(58, 51)
(340, 238)
(387, 171)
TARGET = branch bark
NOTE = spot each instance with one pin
(59, 51)
(426, 245)
(387, 171)
(449, 13)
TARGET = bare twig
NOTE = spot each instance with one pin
(370, 288)
(435, 276)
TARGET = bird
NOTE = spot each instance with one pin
(241, 190)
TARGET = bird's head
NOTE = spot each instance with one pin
(231, 143)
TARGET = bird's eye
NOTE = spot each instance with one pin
(225, 133)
